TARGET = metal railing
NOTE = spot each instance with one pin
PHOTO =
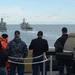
(45, 59)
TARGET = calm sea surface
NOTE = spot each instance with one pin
(51, 32)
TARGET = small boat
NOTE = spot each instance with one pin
(25, 25)
(3, 27)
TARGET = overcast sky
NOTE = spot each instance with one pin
(38, 11)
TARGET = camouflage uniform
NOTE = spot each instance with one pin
(3, 71)
(17, 48)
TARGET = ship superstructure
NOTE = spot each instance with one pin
(3, 26)
(25, 25)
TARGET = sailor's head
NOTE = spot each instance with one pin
(40, 34)
(17, 33)
(4, 36)
(64, 30)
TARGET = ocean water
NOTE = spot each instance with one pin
(50, 32)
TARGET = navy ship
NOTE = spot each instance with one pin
(25, 25)
(3, 27)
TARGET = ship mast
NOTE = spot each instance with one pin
(1, 20)
(23, 20)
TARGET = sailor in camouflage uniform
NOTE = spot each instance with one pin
(18, 49)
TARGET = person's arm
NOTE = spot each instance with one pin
(47, 47)
(58, 46)
(31, 45)
(25, 50)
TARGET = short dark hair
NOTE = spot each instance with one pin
(4, 36)
(40, 33)
(17, 32)
(64, 29)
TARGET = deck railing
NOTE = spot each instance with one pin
(28, 64)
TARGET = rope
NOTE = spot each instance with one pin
(26, 58)
(30, 63)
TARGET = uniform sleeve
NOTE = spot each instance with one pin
(31, 45)
(58, 46)
(46, 46)
(25, 50)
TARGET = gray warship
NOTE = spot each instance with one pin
(3, 27)
(25, 25)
